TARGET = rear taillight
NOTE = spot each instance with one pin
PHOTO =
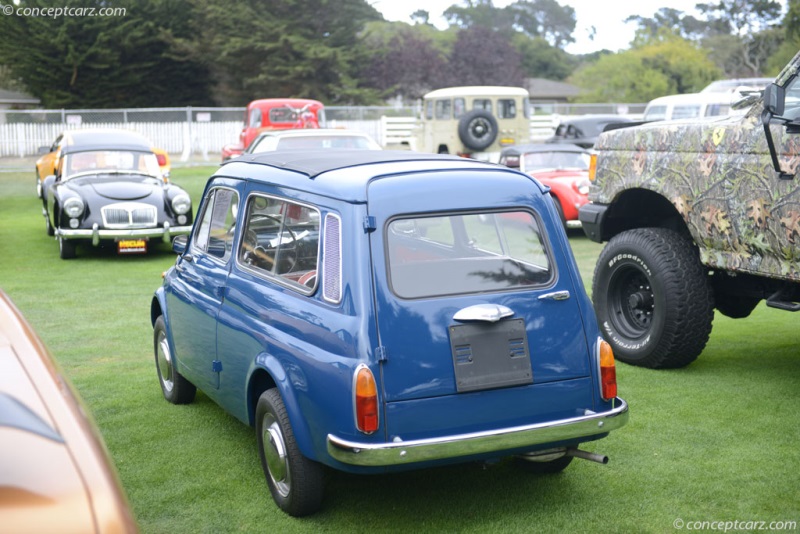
(608, 371)
(162, 159)
(366, 399)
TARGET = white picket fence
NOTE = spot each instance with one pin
(205, 138)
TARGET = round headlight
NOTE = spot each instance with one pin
(582, 186)
(73, 207)
(181, 204)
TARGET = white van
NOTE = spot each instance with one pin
(689, 106)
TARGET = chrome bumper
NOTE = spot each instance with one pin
(423, 450)
(166, 233)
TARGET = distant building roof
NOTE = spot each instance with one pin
(15, 97)
(542, 89)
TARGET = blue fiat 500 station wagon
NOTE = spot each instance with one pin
(376, 311)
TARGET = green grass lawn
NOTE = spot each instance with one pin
(717, 441)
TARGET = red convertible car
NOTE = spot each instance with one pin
(563, 168)
(275, 114)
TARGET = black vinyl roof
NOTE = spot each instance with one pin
(98, 139)
(314, 163)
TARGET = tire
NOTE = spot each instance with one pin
(560, 211)
(38, 184)
(66, 249)
(543, 468)
(477, 129)
(175, 387)
(295, 482)
(653, 299)
(49, 227)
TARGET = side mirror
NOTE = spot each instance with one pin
(179, 244)
(774, 99)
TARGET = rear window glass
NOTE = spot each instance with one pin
(443, 109)
(431, 256)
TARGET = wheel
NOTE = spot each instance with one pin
(543, 468)
(560, 211)
(175, 387)
(653, 299)
(296, 483)
(66, 248)
(477, 129)
(49, 227)
(38, 184)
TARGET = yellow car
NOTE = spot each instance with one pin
(47, 164)
(55, 472)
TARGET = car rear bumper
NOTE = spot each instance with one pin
(165, 232)
(423, 450)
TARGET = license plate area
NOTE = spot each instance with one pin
(132, 246)
(490, 355)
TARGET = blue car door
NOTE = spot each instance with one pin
(197, 286)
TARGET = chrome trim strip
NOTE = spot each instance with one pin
(422, 450)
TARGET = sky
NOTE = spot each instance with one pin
(607, 16)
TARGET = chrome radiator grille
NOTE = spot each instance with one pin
(129, 215)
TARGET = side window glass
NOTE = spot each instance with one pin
(429, 109)
(482, 103)
(459, 107)
(255, 118)
(506, 108)
(281, 240)
(443, 109)
(214, 234)
(792, 101)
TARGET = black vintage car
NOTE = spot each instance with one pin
(108, 188)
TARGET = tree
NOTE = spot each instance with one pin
(408, 65)
(641, 74)
(482, 56)
(546, 19)
(103, 61)
(539, 59)
(287, 48)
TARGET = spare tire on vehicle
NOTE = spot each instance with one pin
(477, 129)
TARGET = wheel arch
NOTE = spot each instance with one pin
(641, 208)
(267, 374)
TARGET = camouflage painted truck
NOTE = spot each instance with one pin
(698, 215)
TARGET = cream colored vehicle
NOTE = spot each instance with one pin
(475, 121)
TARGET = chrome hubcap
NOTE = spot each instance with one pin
(275, 454)
(164, 362)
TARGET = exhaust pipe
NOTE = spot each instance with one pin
(577, 453)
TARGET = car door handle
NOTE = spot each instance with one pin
(555, 295)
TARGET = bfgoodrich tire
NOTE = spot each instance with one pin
(653, 299)
(477, 129)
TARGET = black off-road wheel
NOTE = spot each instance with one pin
(477, 129)
(295, 482)
(653, 298)
(175, 387)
